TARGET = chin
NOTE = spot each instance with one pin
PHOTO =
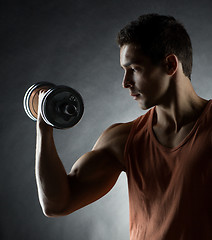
(145, 105)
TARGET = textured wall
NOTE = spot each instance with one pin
(73, 43)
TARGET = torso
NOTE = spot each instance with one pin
(170, 189)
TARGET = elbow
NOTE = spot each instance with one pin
(51, 212)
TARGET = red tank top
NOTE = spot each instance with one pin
(170, 189)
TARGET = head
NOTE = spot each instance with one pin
(156, 45)
(159, 36)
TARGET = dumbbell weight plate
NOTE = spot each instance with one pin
(30, 101)
(62, 107)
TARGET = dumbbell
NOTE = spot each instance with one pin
(62, 107)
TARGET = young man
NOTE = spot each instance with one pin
(166, 153)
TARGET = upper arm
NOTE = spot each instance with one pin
(95, 173)
(92, 176)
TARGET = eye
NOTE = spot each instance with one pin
(137, 69)
(134, 69)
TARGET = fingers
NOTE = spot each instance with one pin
(40, 99)
(40, 122)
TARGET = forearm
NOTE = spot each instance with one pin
(51, 177)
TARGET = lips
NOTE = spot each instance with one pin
(134, 95)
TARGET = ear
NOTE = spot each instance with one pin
(171, 64)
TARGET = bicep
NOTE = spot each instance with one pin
(92, 176)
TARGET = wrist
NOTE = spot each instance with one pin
(42, 126)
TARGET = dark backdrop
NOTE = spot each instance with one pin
(73, 43)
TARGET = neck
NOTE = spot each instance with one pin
(180, 106)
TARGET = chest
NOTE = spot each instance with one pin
(169, 138)
(159, 172)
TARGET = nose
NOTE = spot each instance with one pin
(127, 81)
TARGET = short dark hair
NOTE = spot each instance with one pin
(158, 36)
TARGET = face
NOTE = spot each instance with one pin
(147, 83)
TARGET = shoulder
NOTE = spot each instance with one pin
(114, 138)
(116, 132)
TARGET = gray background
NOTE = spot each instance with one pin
(73, 43)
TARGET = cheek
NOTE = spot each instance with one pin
(160, 84)
(152, 82)
(145, 82)
(141, 82)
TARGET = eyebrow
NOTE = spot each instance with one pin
(127, 64)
